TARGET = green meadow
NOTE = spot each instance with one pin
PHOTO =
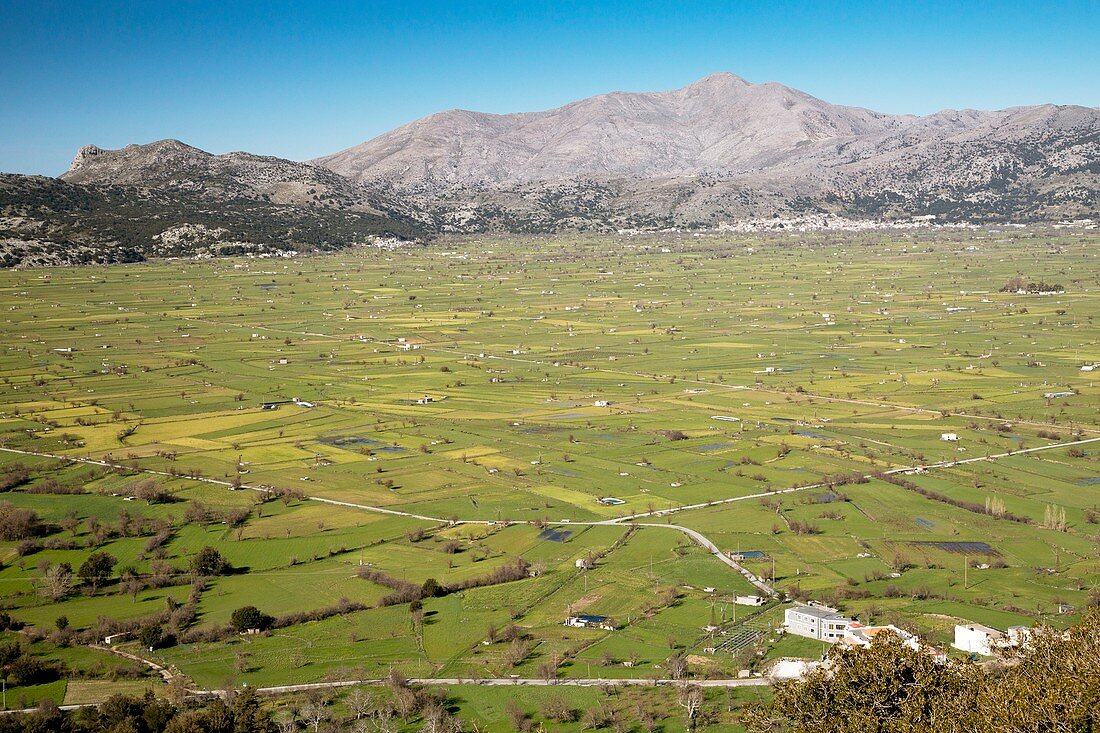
(492, 393)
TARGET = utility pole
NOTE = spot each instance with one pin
(966, 565)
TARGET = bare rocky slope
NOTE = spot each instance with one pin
(170, 165)
(723, 148)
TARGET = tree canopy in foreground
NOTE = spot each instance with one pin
(1050, 684)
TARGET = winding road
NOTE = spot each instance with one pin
(695, 535)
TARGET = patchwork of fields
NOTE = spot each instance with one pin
(506, 386)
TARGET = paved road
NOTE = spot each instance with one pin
(632, 518)
(890, 472)
(439, 681)
(525, 681)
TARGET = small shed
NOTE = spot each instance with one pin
(589, 621)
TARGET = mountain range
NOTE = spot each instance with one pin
(716, 151)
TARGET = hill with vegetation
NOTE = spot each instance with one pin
(47, 221)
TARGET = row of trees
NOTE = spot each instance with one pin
(58, 580)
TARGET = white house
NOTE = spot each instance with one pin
(594, 622)
(749, 600)
(978, 639)
(950, 437)
(816, 622)
(861, 636)
(791, 669)
(1019, 635)
(601, 403)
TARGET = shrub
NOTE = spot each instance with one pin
(249, 617)
(209, 561)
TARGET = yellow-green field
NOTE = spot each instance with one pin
(560, 371)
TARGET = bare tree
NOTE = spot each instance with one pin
(690, 698)
(438, 720)
(405, 702)
(56, 582)
(286, 722)
(381, 722)
(315, 712)
(677, 666)
(360, 702)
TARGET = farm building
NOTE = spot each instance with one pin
(950, 437)
(816, 622)
(862, 636)
(750, 600)
(978, 639)
(601, 403)
(791, 669)
(424, 400)
(1056, 395)
(592, 622)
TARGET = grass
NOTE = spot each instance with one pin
(516, 341)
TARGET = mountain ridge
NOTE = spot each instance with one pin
(724, 132)
(717, 151)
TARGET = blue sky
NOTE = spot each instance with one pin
(301, 79)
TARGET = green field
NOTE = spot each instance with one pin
(560, 371)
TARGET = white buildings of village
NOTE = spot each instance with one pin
(830, 626)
